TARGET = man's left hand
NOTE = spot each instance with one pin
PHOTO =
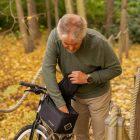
(78, 77)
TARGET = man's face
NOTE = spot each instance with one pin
(71, 45)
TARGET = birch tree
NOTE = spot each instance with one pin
(48, 15)
(124, 37)
(33, 20)
(27, 41)
(68, 6)
(56, 11)
(81, 8)
(109, 11)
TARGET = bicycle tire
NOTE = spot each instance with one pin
(40, 130)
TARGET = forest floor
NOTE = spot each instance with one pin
(17, 66)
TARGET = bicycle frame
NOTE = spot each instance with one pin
(37, 120)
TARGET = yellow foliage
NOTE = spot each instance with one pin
(15, 65)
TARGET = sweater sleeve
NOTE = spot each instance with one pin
(49, 71)
(110, 65)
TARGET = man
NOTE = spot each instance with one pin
(91, 62)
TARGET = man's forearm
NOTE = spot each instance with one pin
(106, 74)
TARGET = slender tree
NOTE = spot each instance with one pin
(109, 11)
(56, 11)
(33, 20)
(48, 15)
(81, 8)
(124, 37)
(68, 5)
(27, 41)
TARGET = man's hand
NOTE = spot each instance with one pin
(78, 77)
(63, 109)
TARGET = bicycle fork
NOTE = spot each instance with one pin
(34, 126)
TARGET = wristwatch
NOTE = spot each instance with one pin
(89, 79)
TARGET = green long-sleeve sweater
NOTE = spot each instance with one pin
(95, 57)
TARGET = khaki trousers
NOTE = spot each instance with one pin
(96, 108)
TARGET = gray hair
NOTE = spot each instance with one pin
(71, 23)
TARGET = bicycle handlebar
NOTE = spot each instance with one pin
(31, 85)
(34, 88)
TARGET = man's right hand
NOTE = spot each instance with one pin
(64, 109)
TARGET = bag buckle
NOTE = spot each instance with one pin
(68, 126)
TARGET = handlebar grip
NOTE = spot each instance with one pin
(27, 84)
(31, 85)
(34, 88)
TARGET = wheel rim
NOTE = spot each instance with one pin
(26, 134)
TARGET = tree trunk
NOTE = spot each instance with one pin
(33, 20)
(56, 11)
(69, 7)
(123, 41)
(48, 15)
(120, 48)
(81, 8)
(127, 44)
(109, 11)
(27, 41)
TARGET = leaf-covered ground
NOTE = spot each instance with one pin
(15, 66)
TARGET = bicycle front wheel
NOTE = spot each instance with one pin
(40, 133)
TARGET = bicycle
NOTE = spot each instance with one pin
(39, 130)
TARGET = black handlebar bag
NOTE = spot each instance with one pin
(59, 122)
(67, 89)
